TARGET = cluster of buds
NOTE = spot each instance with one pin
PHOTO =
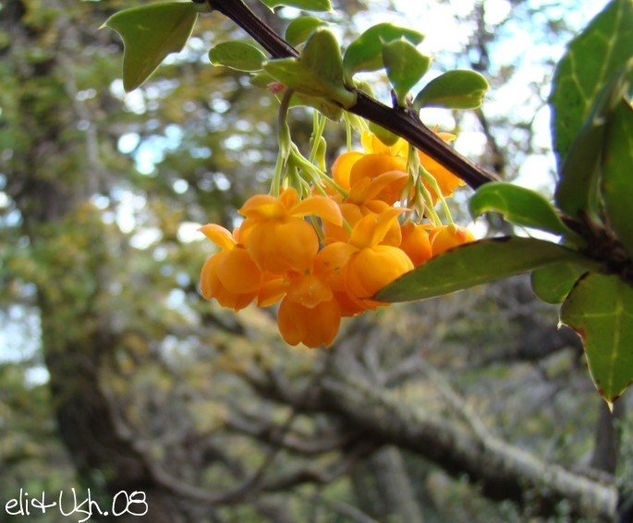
(326, 255)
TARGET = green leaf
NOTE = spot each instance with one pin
(240, 56)
(317, 72)
(578, 187)
(149, 34)
(459, 89)
(405, 66)
(518, 205)
(593, 57)
(617, 173)
(365, 53)
(301, 28)
(553, 283)
(308, 5)
(600, 309)
(329, 109)
(474, 263)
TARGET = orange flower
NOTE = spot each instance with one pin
(276, 235)
(354, 171)
(365, 263)
(230, 276)
(447, 181)
(371, 166)
(416, 242)
(309, 313)
(372, 144)
(330, 263)
(448, 236)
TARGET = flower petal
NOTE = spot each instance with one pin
(372, 165)
(237, 271)
(342, 167)
(218, 235)
(262, 206)
(325, 208)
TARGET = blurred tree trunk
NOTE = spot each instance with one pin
(67, 237)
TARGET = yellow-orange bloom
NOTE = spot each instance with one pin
(309, 313)
(277, 236)
(447, 181)
(230, 276)
(372, 144)
(365, 264)
(312, 326)
(448, 236)
(416, 242)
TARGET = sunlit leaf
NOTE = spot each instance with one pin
(600, 309)
(241, 56)
(149, 34)
(365, 53)
(553, 283)
(301, 28)
(518, 205)
(617, 173)
(459, 89)
(405, 66)
(308, 5)
(593, 57)
(578, 187)
(317, 72)
(474, 263)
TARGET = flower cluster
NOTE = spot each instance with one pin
(325, 256)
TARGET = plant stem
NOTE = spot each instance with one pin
(400, 121)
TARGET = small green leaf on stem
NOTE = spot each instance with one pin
(617, 173)
(301, 28)
(475, 263)
(520, 206)
(365, 53)
(237, 55)
(405, 66)
(553, 283)
(600, 309)
(317, 72)
(149, 34)
(578, 186)
(459, 89)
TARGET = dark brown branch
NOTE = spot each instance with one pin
(399, 121)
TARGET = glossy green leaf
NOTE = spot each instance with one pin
(301, 28)
(365, 53)
(459, 89)
(518, 205)
(317, 72)
(308, 5)
(149, 34)
(593, 57)
(600, 309)
(474, 263)
(240, 56)
(405, 66)
(617, 173)
(578, 186)
(553, 283)
(329, 109)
